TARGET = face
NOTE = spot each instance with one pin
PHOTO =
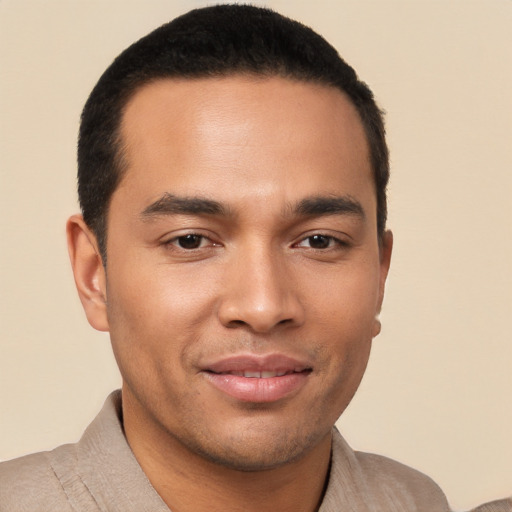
(244, 269)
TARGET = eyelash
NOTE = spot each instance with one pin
(176, 240)
(332, 242)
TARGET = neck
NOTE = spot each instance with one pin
(187, 482)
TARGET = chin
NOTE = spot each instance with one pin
(258, 459)
(251, 451)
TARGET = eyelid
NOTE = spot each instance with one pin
(340, 239)
(171, 238)
(175, 242)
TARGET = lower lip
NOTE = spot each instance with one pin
(255, 389)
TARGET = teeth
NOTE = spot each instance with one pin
(265, 374)
(253, 374)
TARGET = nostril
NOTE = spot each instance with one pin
(240, 323)
(237, 323)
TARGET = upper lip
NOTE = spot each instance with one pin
(257, 363)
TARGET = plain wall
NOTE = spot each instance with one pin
(437, 393)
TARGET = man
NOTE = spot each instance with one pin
(232, 177)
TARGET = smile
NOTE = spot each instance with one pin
(258, 379)
(258, 374)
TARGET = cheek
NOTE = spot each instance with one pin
(344, 322)
(346, 300)
(157, 297)
(157, 316)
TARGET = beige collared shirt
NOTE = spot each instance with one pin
(100, 473)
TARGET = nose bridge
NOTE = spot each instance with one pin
(259, 292)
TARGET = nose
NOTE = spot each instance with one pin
(260, 293)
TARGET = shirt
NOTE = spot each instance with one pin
(100, 473)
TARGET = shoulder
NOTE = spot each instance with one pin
(393, 478)
(372, 482)
(29, 483)
(504, 505)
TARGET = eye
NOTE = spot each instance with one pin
(190, 241)
(190, 246)
(319, 241)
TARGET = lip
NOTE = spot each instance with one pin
(227, 376)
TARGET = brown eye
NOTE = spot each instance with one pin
(189, 241)
(319, 241)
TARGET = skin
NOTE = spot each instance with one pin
(260, 276)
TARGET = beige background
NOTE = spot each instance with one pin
(437, 394)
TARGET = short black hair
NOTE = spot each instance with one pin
(215, 41)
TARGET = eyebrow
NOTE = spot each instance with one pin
(170, 204)
(327, 205)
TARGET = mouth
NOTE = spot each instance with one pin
(263, 374)
(258, 379)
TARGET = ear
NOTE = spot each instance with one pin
(385, 250)
(88, 270)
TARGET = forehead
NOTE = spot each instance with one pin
(213, 135)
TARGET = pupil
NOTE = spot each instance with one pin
(189, 241)
(319, 241)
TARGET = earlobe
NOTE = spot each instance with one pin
(88, 271)
(376, 328)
